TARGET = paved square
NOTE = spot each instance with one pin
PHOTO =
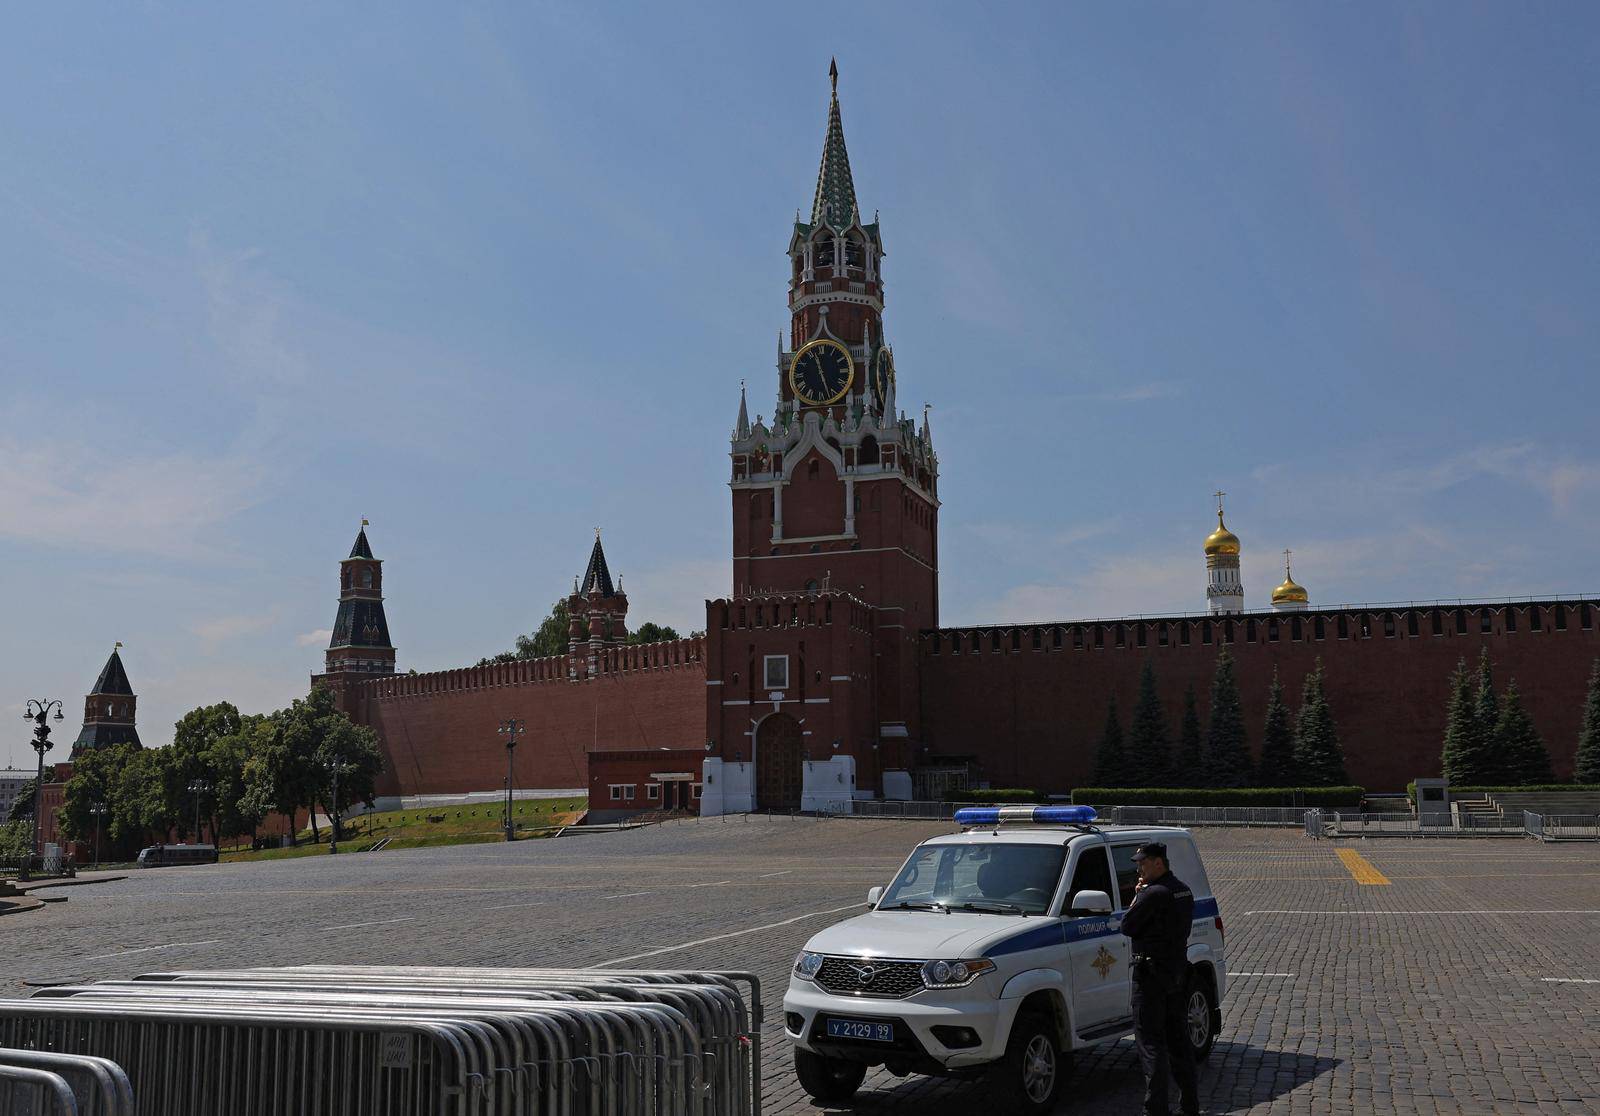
(1457, 986)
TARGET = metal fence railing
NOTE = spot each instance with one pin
(49, 1083)
(382, 1041)
(1562, 827)
(1110, 815)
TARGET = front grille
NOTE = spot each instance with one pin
(889, 980)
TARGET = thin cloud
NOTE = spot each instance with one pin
(312, 639)
(220, 628)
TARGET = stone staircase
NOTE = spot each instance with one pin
(1510, 804)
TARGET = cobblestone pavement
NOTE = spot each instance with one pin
(1455, 987)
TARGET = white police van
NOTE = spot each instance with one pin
(996, 951)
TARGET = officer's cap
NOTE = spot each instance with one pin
(1150, 848)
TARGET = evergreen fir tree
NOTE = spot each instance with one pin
(1588, 761)
(1316, 742)
(1110, 760)
(1278, 767)
(1465, 758)
(1486, 711)
(1227, 756)
(1186, 771)
(1149, 753)
(1525, 758)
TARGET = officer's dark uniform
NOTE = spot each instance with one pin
(1158, 922)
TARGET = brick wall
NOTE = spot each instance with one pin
(1033, 716)
(439, 730)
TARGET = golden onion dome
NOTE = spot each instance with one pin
(1222, 540)
(1290, 592)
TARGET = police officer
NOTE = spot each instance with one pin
(1158, 921)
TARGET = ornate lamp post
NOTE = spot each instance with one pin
(509, 728)
(197, 788)
(39, 713)
(99, 810)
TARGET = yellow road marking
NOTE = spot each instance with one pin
(1361, 868)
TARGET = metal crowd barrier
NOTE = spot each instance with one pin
(1561, 827)
(1112, 815)
(37, 1083)
(392, 1041)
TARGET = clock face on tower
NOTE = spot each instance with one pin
(821, 373)
(882, 375)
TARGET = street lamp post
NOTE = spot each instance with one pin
(509, 728)
(39, 713)
(197, 788)
(99, 811)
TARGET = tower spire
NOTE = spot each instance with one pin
(835, 203)
(741, 428)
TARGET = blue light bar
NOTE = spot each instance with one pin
(1036, 815)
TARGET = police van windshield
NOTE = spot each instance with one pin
(998, 878)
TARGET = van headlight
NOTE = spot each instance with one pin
(807, 964)
(954, 974)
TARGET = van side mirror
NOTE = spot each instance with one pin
(873, 895)
(1090, 903)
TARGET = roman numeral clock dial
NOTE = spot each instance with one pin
(821, 373)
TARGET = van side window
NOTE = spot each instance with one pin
(1093, 873)
(1127, 873)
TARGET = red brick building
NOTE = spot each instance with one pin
(824, 675)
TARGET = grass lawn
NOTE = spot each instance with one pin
(440, 825)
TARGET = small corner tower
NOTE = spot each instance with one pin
(108, 710)
(597, 615)
(1224, 590)
(1290, 596)
(360, 643)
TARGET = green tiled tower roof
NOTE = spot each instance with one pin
(835, 204)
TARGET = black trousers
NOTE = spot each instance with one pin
(1162, 1035)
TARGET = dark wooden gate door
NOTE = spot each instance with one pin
(779, 754)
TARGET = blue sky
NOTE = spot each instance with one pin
(490, 275)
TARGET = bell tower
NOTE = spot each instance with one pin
(360, 643)
(835, 526)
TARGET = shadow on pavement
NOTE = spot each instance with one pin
(1237, 1076)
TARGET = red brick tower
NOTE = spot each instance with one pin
(597, 615)
(108, 711)
(837, 497)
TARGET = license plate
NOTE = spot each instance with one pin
(860, 1029)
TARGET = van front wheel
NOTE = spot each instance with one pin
(1199, 1016)
(1033, 1071)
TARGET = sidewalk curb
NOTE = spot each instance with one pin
(74, 882)
(20, 905)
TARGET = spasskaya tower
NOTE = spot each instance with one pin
(835, 500)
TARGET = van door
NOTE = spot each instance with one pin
(1097, 951)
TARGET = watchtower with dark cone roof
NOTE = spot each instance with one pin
(360, 643)
(596, 614)
(108, 711)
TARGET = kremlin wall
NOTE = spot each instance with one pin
(825, 676)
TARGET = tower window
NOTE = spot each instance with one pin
(1511, 619)
(1320, 627)
(1099, 636)
(366, 579)
(1183, 634)
(1535, 620)
(1055, 638)
(775, 672)
(1163, 635)
(1461, 621)
(1344, 627)
(1250, 631)
(1561, 617)
(1227, 631)
(1038, 640)
(1436, 622)
(994, 642)
(1122, 640)
(1077, 639)
(1585, 616)
(1272, 631)
(1297, 630)
(1485, 621)
(1205, 631)
(1144, 634)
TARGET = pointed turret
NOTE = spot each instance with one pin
(597, 615)
(835, 204)
(741, 428)
(108, 711)
(360, 641)
(597, 575)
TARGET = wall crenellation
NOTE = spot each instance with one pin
(521, 672)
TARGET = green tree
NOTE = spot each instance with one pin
(1486, 712)
(1186, 764)
(651, 632)
(287, 766)
(227, 759)
(550, 638)
(1149, 752)
(359, 757)
(1227, 755)
(16, 840)
(1465, 756)
(1588, 759)
(1110, 761)
(1278, 766)
(1525, 760)
(22, 805)
(1317, 753)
